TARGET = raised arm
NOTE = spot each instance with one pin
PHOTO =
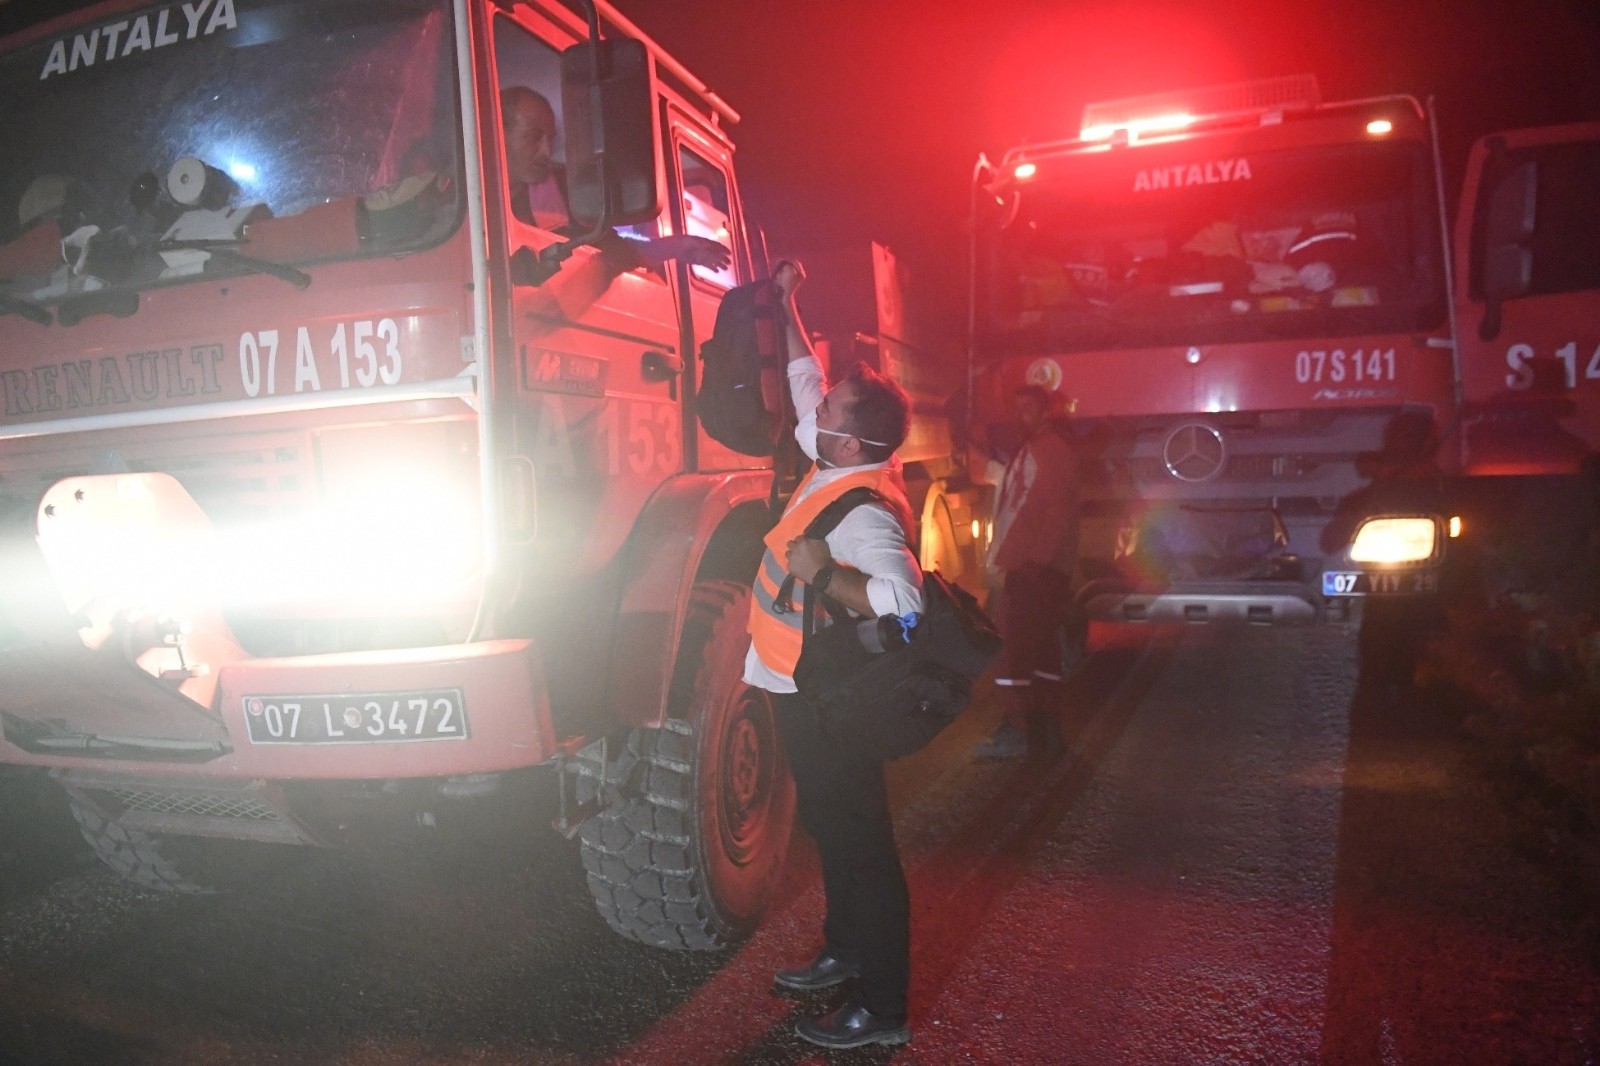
(797, 341)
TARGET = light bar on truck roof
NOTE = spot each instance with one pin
(1134, 128)
(1164, 112)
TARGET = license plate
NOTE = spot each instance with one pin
(370, 718)
(1381, 583)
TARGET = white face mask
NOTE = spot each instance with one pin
(805, 431)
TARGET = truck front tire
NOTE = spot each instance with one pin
(687, 854)
(144, 859)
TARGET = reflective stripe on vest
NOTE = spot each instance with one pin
(777, 637)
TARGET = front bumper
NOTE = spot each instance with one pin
(501, 683)
(1200, 602)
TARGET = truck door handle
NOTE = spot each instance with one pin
(661, 366)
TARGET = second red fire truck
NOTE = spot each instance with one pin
(1284, 372)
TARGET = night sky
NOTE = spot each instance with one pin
(862, 120)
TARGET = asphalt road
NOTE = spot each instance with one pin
(1249, 853)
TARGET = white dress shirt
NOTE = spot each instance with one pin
(869, 538)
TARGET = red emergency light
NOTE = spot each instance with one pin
(1134, 116)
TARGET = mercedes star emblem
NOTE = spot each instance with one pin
(1194, 452)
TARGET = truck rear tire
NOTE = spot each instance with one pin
(687, 854)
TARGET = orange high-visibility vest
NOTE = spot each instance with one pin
(777, 637)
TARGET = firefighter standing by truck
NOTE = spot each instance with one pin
(851, 431)
(1036, 549)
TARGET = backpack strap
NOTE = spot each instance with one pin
(818, 529)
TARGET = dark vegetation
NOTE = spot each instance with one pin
(1516, 655)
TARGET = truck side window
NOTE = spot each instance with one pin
(1566, 230)
(530, 115)
(531, 123)
(706, 211)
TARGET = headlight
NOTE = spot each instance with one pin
(1394, 540)
(383, 542)
(391, 544)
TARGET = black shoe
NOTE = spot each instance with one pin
(824, 971)
(853, 1025)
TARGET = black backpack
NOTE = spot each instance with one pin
(742, 397)
(891, 703)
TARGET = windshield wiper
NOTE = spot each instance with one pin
(222, 254)
(16, 305)
(122, 302)
(298, 278)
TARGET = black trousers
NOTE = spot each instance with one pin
(844, 805)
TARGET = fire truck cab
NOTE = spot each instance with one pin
(1240, 297)
(1527, 298)
(1526, 295)
(336, 463)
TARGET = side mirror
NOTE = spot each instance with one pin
(611, 153)
(1513, 212)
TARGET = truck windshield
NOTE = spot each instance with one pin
(181, 126)
(1139, 248)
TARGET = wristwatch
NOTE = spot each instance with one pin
(824, 574)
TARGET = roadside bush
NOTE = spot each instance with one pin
(1529, 667)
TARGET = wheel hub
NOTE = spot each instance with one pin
(748, 764)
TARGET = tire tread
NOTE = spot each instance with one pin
(643, 869)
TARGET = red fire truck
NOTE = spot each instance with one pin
(324, 474)
(1243, 297)
(1526, 299)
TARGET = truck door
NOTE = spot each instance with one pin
(596, 345)
(704, 203)
(1528, 301)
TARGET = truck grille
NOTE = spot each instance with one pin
(209, 804)
(254, 477)
(1241, 468)
(1276, 467)
(262, 481)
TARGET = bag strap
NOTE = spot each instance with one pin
(818, 529)
(829, 517)
(789, 464)
(769, 328)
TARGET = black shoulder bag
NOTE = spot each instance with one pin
(889, 685)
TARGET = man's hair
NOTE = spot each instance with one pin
(515, 96)
(516, 93)
(1037, 393)
(880, 411)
